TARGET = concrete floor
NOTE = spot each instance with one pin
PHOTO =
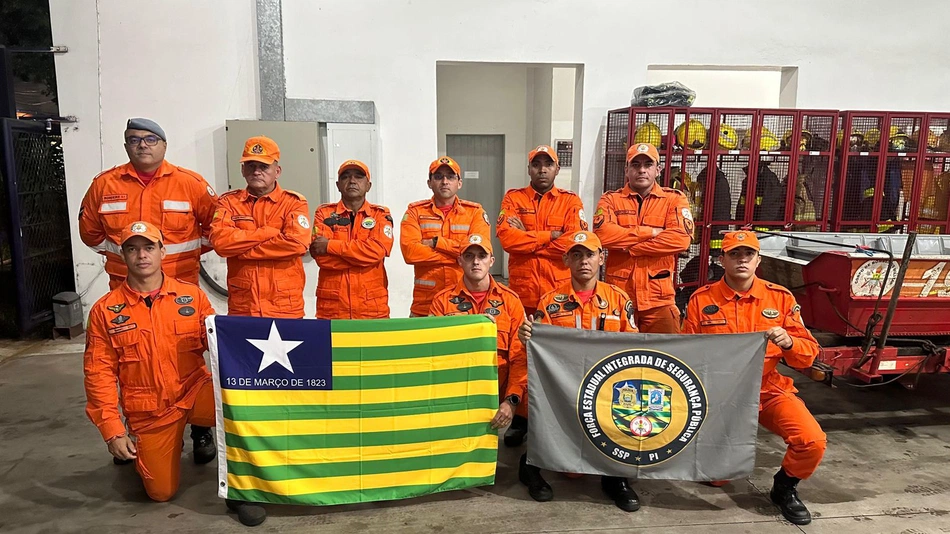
(887, 470)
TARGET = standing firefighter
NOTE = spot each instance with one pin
(434, 231)
(148, 188)
(585, 303)
(263, 231)
(644, 227)
(351, 238)
(739, 303)
(147, 337)
(532, 227)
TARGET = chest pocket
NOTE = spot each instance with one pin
(430, 227)
(627, 219)
(188, 334)
(654, 221)
(113, 212)
(177, 216)
(244, 222)
(528, 217)
(554, 222)
(714, 324)
(562, 318)
(133, 367)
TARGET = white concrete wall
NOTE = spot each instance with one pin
(187, 64)
(724, 87)
(193, 67)
(562, 115)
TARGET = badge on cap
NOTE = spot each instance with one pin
(580, 237)
(139, 228)
(642, 148)
(770, 313)
(368, 223)
(257, 149)
(474, 239)
(740, 236)
(542, 148)
(445, 161)
(303, 221)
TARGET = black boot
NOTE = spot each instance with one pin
(249, 514)
(204, 448)
(785, 495)
(530, 476)
(622, 494)
(516, 432)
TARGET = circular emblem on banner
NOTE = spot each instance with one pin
(641, 407)
(139, 228)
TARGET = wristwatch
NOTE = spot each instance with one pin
(513, 399)
(434, 241)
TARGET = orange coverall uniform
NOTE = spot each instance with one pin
(154, 354)
(717, 309)
(643, 265)
(179, 201)
(609, 309)
(535, 264)
(504, 306)
(263, 239)
(437, 268)
(352, 282)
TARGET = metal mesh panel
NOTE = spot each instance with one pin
(43, 221)
(938, 135)
(8, 316)
(865, 134)
(810, 186)
(934, 195)
(817, 133)
(616, 149)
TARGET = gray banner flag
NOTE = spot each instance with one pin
(661, 406)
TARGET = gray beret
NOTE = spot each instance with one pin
(148, 125)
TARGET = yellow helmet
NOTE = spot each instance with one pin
(943, 142)
(856, 141)
(840, 138)
(648, 132)
(728, 138)
(697, 135)
(899, 142)
(767, 140)
(872, 137)
(894, 131)
(803, 142)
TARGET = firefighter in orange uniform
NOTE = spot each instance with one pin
(433, 232)
(644, 227)
(531, 228)
(742, 302)
(478, 292)
(179, 201)
(351, 238)
(147, 337)
(585, 303)
(263, 231)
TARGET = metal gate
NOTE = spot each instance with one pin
(35, 253)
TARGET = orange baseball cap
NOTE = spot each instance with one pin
(543, 149)
(262, 149)
(478, 240)
(448, 162)
(353, 164)
(646, 149)
(141, 229)
(586, 239)
(738, 239)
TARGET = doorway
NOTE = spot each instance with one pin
(482, 159)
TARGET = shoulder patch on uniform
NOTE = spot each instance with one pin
(103, 173)
(777, 287)
(191, 173)
(566, 191)
(469, 203)
(672, 190)
(327, 205)
(418, 203)
(229, 193)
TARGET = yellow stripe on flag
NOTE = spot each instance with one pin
(246, 397)
(422, 336)
(413, 365)
(353, 454)
(304, 486)
(357, 425)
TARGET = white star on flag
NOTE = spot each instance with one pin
(275, 349)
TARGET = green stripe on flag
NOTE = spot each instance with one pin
(396, 325)
(366, 495)
(423, 378)
(422, 350)
(365, 439)
(366, 467)
(350, 411)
